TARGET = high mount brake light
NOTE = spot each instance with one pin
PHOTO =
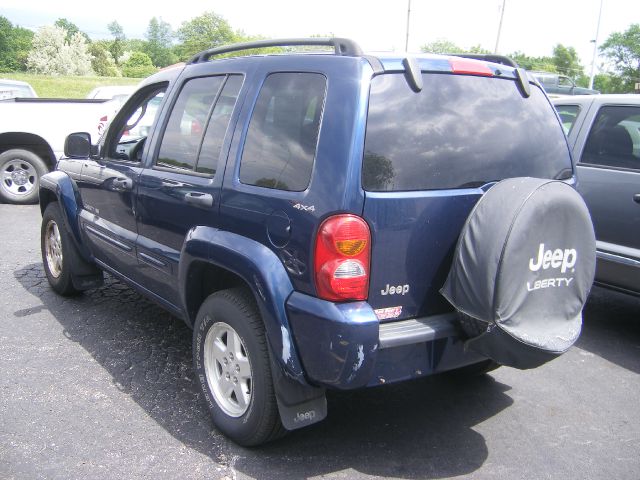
(342, 258)
(470, 67)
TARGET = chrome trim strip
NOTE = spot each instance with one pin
(106, 238)
(152, 260)
(617, 259)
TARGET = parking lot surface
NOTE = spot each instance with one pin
(101, 386)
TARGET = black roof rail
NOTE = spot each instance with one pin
(489, 57)
(341, 46)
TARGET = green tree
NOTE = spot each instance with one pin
(71, 29)
(201, 33)
(608, 83)
(479, 49)
(15, 44)
(623, 51)
(566, 61)
(102, 62)
(441, 46)
(117, 44)
(159, 43)
(135, 45)
(138, 65)
(544, 64)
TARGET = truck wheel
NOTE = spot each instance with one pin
(231, 361)
(57, 249)
(20, 172)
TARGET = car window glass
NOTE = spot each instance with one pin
(185, 127)
(281, 142)
(135, 124)
(565, 82)
(217, 126)
(460, 131)
(568, 115)
(614, 139)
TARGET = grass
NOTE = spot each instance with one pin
(67, 87)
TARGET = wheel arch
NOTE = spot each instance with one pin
(58, 187)
(30, 142)
(213, 260)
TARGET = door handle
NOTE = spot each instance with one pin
(636, 198)
(122, 184)
(199, 198)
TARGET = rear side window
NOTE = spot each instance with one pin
(459, 131)
(614, 139)
(568, 115)
(182, 136)
(217, 126)
(281, 142)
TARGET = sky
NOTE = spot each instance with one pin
(532, 27)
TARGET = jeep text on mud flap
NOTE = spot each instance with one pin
(303, 212)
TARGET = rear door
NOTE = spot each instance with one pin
(429, 156)
(609, 180)
(181, 186)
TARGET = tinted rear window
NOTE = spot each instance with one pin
(459, 131)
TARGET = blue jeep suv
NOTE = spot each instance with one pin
(330, 220)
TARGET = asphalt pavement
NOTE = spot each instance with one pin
(100, 386)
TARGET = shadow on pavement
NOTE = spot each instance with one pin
(421, 429)
(611, 328)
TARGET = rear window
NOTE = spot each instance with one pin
(459, 131)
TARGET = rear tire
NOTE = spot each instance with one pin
(20, 172)
(231, 361)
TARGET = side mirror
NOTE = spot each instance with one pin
(78, 145)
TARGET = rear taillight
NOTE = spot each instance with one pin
(342, 258)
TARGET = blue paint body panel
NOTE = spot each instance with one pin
(338, 343)
(261, 270)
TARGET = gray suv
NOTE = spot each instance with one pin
(604, 136)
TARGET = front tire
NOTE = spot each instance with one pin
(57, 248)
(231, 361)
(20, 172)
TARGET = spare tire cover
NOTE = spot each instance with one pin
(524, 264)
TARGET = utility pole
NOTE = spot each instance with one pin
(595, 49)
(504, 3)
(406, 41)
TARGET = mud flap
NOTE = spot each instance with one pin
(523, 269)
(299, 405)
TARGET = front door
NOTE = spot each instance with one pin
(108, 184)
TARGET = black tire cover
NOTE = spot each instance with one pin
(524, 264)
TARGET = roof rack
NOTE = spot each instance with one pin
(342, 46)
(489, 57)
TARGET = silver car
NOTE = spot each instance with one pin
(604, 135)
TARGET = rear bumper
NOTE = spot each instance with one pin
(344, 346)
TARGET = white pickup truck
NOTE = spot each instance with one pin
(32, 135)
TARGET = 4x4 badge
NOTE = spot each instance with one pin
(305, 208)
